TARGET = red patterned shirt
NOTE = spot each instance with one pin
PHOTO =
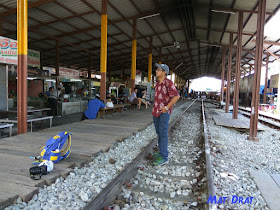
(164, 92)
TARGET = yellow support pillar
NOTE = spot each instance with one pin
(150, 60)
(22, 34)
(103, 50)
(133, 56)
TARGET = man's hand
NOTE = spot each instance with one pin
(163, 110)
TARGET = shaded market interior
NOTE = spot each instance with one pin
(195, 38)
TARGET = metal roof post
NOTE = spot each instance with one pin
(103, 50)
(237, 67)
(258, 65)
(57, 58)
(89, 65)
(229, 73)
(89, 73)
(223, 74)
(133, 55)
(1, 26)
(265, 84)
(22, 35)
(150, 64)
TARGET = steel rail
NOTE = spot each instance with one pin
(243, 112)
(270, 124)
(209, 172)
(109, 193)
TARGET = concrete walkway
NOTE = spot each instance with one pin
(269, 185)
(89, 137)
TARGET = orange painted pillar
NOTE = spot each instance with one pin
(257, 74)
(133, 56)
(1, 27)
(150, 64)
(265, 85)
(223, 74)
(229, 72)
(89, 73)
(22, 25)
(237, 67)
(103, 50)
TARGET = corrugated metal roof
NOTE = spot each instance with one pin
(75, 6)
(233, 22)
(224, 3)
(94, 18)
(56, 10)
(79, 23)
(13, 3)
(125, 7)
(157, 23)
(271, 4)
(251, 25)
(127, 29)
(166, 38)
(145, 5)
(215, 36)
(248, 4)
(43, 17)
(86, 33)
(201, 16)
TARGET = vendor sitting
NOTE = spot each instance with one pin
(133, 98)
(93, 107)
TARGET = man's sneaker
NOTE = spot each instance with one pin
(160, 161)
(156, 155)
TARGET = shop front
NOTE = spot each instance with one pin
(8, 74)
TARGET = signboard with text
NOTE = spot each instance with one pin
(69, 73)
(274, 81)
(8, 53)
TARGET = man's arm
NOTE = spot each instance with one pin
(102, 105)
(171, 103)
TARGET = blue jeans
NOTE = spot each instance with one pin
(161, 126)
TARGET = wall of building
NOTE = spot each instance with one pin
(34, 88)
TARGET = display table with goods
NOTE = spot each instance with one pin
(72, 106)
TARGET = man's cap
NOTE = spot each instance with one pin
(164, 67)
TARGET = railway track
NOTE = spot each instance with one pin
(186, 182)
(264, 119)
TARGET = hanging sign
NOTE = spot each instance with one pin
(8, 53)
(274, 81)
(69, 73)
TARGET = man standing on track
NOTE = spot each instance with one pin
(166, 95)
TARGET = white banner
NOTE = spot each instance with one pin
(8, 53)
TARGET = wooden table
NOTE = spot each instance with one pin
(5, 113)
(30, 120)
(7, 126)
(110, 110)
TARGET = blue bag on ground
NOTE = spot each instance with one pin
(54, 150)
